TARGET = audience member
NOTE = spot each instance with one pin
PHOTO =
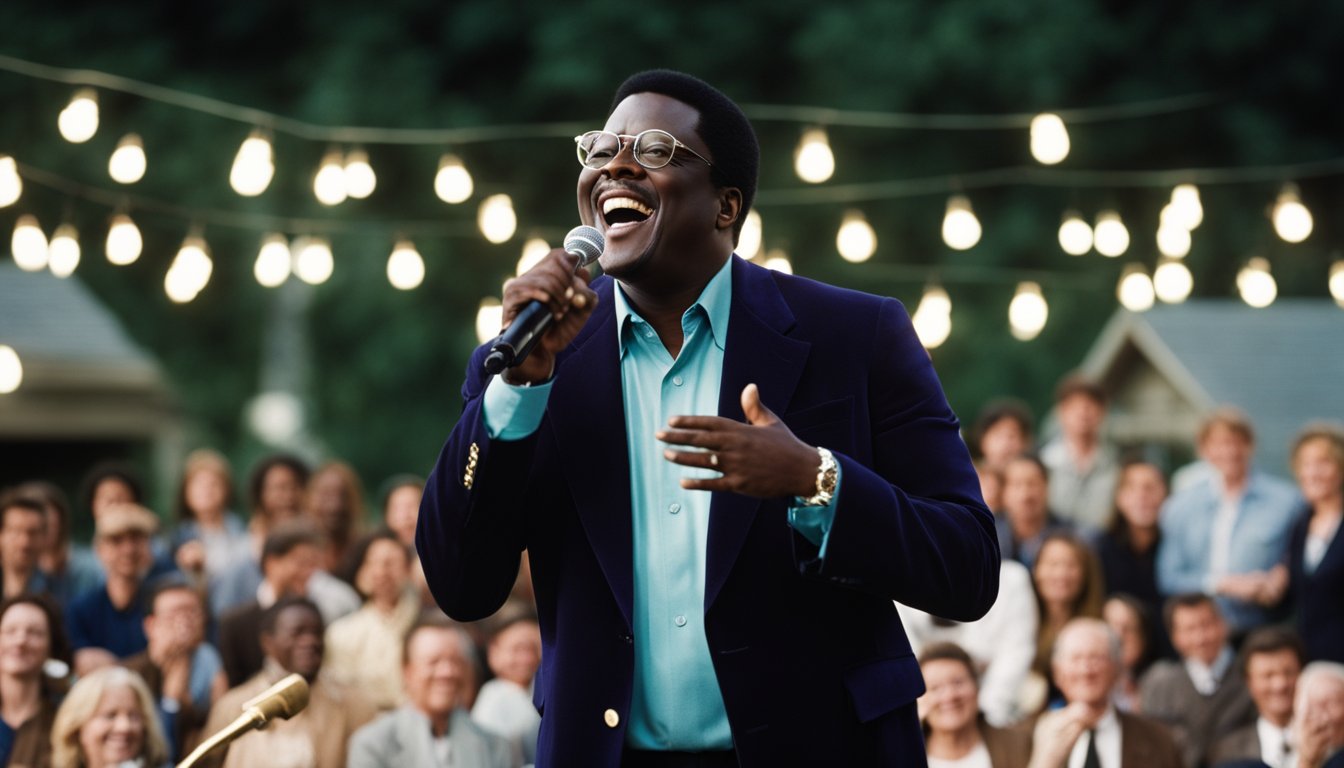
(504, 704)
(1227, 535)
(1088, 731)
(991, 485)
(1026, 518)
(401, 513)
(1068, 586)
(210, 538)
(1319, 726)
(1271, 660)
(433, 727)
(66, 574)
(1129, 619)
(1203, 696)
(183, 672)
(30, 634)
(291, 639)
(107, 721)
(23, 537)
(275, 495)
(107, 622)
(1002, 432)
(955, 735)
(1316, 543)
(335, 501)
(1083, 467)
(1002, 644)
(363, 648)
(1128, 549)
(110, 483)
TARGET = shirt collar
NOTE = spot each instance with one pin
(715, 302)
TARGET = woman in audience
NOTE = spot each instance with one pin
(1068, 586)
(955, 734)
(1128, 549)
(210, 538)
(1128, 618)
(107, 720)
(30, 634)
(336, 503)
(1316, 546)
(401, 513)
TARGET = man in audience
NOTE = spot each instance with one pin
(1026, 518)
(1203, 696)
(107, 623)
(1226, 534)
(1320, 716)
(1088, 730)
(1271, 660)
(23, 537)
(432, 729)
(275, 495)
(1083, 468)
(291, 639)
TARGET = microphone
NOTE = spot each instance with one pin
(283, 700)
(516, 342)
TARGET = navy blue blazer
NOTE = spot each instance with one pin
(810, 655)
(1316, 596)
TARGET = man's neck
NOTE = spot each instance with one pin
(663, 305)
(16, 580)
(1082, 449)
(20, 698)
(1234, 486)
(1280, 721)
(439, 723)
(121, 590)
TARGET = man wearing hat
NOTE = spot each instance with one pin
(107, 622)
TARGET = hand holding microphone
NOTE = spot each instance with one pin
(545, 308)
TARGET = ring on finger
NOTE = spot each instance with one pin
(713, 459)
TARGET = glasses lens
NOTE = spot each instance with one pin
(654, 148)
(597, 148)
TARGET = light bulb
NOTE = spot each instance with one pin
(11, 370)
(534, 250)
(11, 186)
(405, 267)
(1075, 235)
(813, 160)
(749, 242)
(314, 262)
(489, 318)
(329, 183)
(272, 267)
(856, 241)
(1172, 281)
(360, 180)
(1110, 237)
(1135, 289)
(63, 253)
(78, 122)
(778, 260)
(453, 182)
(276, 417)
(497, 219)
(961, 229)
(127, 164)
(933, 317)
(1049, 139)
(1027, 312)
(29, 244)
(1337, 281)
(253, 166)
(1173, 240)
(124, 242)
(1256, 284)
(190, 271)
(1186, 209)
(1292, 220)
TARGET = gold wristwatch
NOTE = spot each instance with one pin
(828, 474)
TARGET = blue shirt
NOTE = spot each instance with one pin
(676, 704)
(92, 621)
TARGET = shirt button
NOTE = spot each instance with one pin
(648, 334)
(680, 620)
(611, 718)
(677, 381)
(674, 508)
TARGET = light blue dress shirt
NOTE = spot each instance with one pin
(677, 704)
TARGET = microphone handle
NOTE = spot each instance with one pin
(252, 718)
(516, 342)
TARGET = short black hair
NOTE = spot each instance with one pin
(258, 478)
(271, 615)
(354, 559)
(287, 536)
(17, 501)
(110, 470)
(169, 582)
(1271, 640)
(1186, 600)
(725, 129)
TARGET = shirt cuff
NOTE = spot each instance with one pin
(513, 413)
(814, 523)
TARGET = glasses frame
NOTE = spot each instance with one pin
(622, 143)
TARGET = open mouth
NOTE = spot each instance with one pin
(624, 210)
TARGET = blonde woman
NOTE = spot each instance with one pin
(107, 720)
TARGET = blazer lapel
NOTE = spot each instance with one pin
(757, 350)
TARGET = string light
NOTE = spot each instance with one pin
(190, 271)
(63, 253)
(329, 183)
(253, 166)
(1027, 312)
(933, 317)
(124, 242)
(1135, 289)
(1292, 220)
(1256, 284)
(314, 263)
(1337, 281)
(272, 267)
(1185, 209)
(360, 180)
(29, 244)
(1110, 237)
(749, 242)
(534, 250)
(856, 241)
(1049, 139)
(489, 319)
(1173, 241)
(128, 163)
(11, 370)
(496, 219)
(778, 260)
(453, 182)
(1172, 281)
(405, 267)
(78, 122)
(1075, 235)
(813, 160)
(961, 229)
(11, 185)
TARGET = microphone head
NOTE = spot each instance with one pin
(586, 243)
(285, 699)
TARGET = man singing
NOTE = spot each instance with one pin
(723, 476)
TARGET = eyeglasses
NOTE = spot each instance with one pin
(652, 149)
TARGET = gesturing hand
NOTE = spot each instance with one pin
(760, 458)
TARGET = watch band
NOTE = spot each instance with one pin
(827, 473)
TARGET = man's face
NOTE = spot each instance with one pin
(1080, 416)
(668, 247)
(1228, 452)
(515, 653)
(178, 619)
(1323, 705)
(1024, 494)
(296, 642)
(1140, 495)
(435, 671)
(22, 538)
(1272, 680)
(289, 573)
(125, 554)
(1198, 632)
(1084, 669)
(1003, 441)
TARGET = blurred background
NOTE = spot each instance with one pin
(943, 169)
